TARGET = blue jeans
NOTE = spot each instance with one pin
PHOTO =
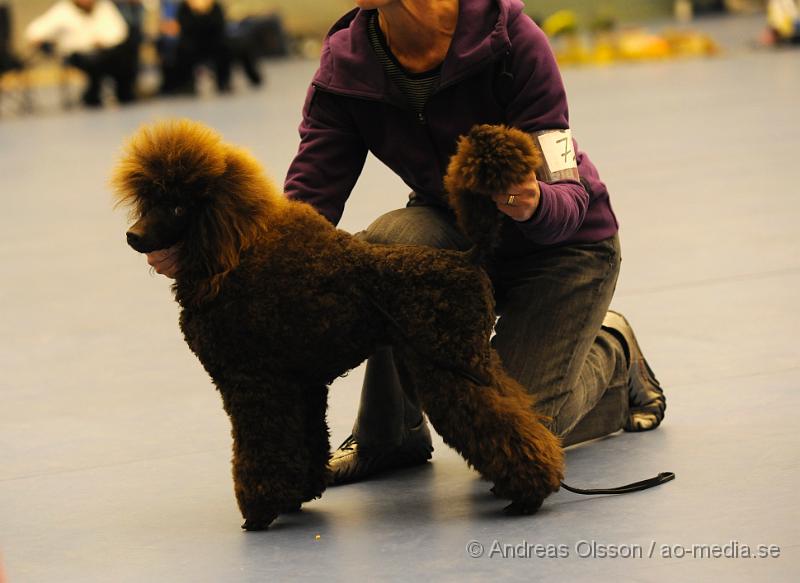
(551, 304)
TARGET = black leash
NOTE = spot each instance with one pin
(661, 478)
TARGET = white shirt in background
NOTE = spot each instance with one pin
(73, 30)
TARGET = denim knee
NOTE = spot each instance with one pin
(422, 225)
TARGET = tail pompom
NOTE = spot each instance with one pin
(489, 160)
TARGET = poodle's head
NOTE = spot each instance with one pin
(168, 173)
(186, 187)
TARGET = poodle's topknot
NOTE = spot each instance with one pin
(491, 159)
(169, 155)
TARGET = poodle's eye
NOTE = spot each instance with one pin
(179, 211)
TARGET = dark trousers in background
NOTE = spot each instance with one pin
(551, 304)
(245, 48)
(190, 54)
(120, 63)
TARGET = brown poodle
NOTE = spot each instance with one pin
(277, 303)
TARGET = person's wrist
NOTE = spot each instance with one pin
(533, 210)
(533, 203)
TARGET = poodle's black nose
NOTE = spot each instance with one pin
(134, 240)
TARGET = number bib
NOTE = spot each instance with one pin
(558, 149)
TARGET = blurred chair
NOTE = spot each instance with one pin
(269, 35)
(69, 80)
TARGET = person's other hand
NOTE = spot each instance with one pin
(521, 201)
(165, 261)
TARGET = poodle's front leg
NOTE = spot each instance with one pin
(271, 457)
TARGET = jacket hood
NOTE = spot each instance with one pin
(348, 64)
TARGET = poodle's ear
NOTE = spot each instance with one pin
(173, 156)
(237, 213)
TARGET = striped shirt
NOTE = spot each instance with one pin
(417, 87)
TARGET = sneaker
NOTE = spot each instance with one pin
(646, 397)
(354, 463)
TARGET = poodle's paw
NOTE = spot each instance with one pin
(491, 159)
(260, 523)
(524, 506)
(527, 493)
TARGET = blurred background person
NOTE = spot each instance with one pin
(90, 35)
(8, 60)
(201, 39)
(167, 45)
(244, 48)
(5, 31)
(254, 36)
(133, 12)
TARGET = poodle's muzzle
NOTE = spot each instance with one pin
(158, 228)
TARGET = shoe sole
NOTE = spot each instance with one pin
(383, 463)
(618, 321)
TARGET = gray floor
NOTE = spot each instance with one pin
(114, 450)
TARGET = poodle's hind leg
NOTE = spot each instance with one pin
(275, 467)
(494, 426)
(317, 441)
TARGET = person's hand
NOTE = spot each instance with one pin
(165, 261)
(521, 201)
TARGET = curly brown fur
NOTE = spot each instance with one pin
(276, 304)
(489, 160)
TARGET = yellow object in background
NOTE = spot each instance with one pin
(573, 51)
(561, 22)
(563, 25)
(639, 44)
(684, 43)
(604, 51)
(607, 46)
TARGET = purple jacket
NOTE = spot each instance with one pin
(352, 108)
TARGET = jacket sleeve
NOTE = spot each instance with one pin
(539, 102)
(330, 157)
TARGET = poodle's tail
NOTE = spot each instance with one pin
(489, 160)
